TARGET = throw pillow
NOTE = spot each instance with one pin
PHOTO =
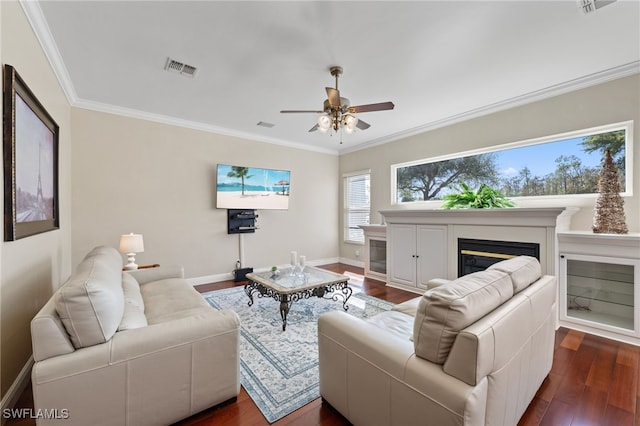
(90, 304)
(133, 316)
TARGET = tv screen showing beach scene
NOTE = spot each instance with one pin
(239, 187)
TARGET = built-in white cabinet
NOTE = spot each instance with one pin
(423, 244)
(375, 256)
(417, 253)
(599, 279)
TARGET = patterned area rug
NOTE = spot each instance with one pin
(279, 370)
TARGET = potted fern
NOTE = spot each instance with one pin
(484, 198)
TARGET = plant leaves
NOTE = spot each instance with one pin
(484, 198)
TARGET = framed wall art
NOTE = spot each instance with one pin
(30, 162)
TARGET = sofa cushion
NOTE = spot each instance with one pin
(171, 299)
(91, 302)
(524, 270)
(133, 316)
(445, 310)
(409, 307)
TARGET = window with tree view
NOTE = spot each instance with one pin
(554, 166)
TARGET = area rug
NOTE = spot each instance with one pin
(279, 369)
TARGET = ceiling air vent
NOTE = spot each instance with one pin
(180, 68)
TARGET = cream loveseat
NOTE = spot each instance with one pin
(473, 351)
(130, 348)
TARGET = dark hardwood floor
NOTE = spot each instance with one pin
(594, 381)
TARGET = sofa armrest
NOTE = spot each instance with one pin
(156, 374)
(154, 274)
(192, 361)
(344, 343)
(140, 342)
(372, 376)
(383, 348)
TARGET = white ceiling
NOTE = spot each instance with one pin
(438, 61)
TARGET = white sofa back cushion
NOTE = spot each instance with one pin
(91, 302)
(524, 270)
(444, 311)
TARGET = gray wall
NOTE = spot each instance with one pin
(607, 103)
(31, 268)
(132, 175)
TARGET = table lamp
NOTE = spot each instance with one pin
(131, 244)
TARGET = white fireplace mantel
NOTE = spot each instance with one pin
(556, 217)
(534, 225)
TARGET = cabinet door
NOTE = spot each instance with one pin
(601, 292)
(402, 252)
(432, 253)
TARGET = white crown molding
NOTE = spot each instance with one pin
(173, 121)
(40, 27)
(549, 92)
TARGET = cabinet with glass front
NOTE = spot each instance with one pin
(375, 262)
(599, 277)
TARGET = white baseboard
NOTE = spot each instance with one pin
(352, 262)
(207, 279)
(16, 388)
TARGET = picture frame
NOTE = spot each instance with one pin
(30, 148)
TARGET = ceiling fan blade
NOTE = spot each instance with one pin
(333, 95)
(297, 111)
(382, 106)
(314, 128)
(362, 125)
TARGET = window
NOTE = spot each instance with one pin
(560, 165)
(357, 205)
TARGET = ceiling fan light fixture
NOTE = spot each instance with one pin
(350, 123)
(337, 113)
(324, 122)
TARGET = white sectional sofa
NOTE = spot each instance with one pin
(130, 348)
(473, 351)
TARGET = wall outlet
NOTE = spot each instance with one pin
(357, 253)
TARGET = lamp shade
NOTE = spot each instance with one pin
(131, 243)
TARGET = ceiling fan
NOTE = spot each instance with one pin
(337, 112)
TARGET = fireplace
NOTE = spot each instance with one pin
(477, 255)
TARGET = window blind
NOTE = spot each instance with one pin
(357, 206)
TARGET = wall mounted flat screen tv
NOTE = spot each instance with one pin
(240, 187)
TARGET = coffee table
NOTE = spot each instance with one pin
(287, 288)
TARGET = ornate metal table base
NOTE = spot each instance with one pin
(334, 291)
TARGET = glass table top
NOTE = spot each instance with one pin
(286, 282)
